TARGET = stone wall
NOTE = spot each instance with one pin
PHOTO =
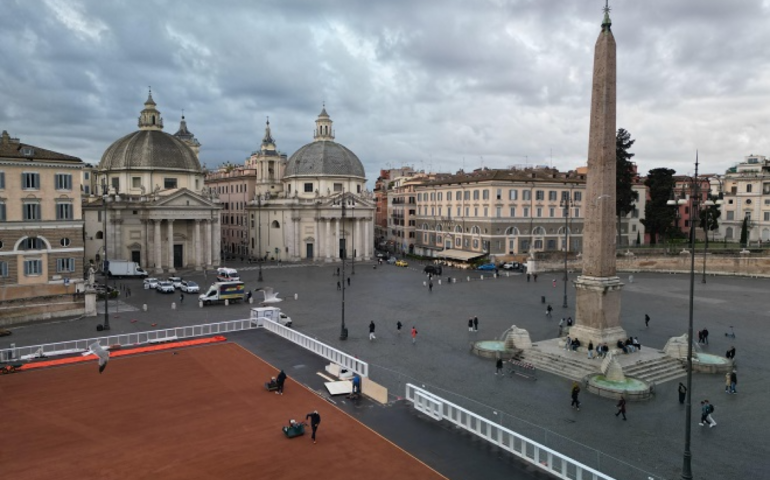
(40, 309)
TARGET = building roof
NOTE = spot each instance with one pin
(12, 148)
(544, 175)
(324, 158)
(150, 149)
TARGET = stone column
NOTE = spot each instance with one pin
(357, 242)
(336, 252)
(170, 240)
(144, 252)
(207, 244)
(216, 241)
(198, 255)
(328, 240)
(598, 289)
(157, 247)
(367, 241)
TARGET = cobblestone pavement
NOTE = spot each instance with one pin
(649, 444)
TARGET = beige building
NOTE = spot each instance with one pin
(507, 212)
(152, 206)
(297, 210)
(41, 226)
(746, 189)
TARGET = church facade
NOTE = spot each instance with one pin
(150, 202)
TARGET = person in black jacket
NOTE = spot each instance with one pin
(315, 420)
(279, 381)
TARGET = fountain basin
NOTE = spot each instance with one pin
(632, 389)
(708, 363)
(492, 349)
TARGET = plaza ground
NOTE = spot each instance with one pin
(650, 443)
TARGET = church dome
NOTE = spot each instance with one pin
(324, 156)
(151, 148)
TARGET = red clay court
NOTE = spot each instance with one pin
(190, 413)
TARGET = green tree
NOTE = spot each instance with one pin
(709, 217)
(625, 196)
(745, 232)
(658, 216)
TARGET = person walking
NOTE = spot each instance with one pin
(590, 349)
(621, 407)
(280, 380)
(348, 281)
(339, 287)
(730, 354)
(706, 409)
(682, 392)
(554, 283)
(315, 420)
(727, 382)
(499, 366)
(548, 310)
(475, 324)
(430, 286)
(534, 277)
(181, 298)
(414, 335)
(371, 331)
(733, 381)
(574, 393)
(646, 320)
(470, 324)
(398, 327)
(705, 336)
(528, 275)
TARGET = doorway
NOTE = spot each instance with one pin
(309, 251)
(343, 248)
(136, 256)
(178, 256)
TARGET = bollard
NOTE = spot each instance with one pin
(251, 299)
(454, 280)
(542, 299)
(482, 277)
(144, 307)
(469, 278)
(424, 283)
(200, 304)
(173, 305)
(507, 274)
(296, 296)
(630, 279)
(439, 281)
(227, 302)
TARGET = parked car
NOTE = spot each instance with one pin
(165, 287)
(432, 269)
(511, 266)
(151, 282)
(391, 260)
(188, 286)
(402, 263)
(177, 281)
(487, 266)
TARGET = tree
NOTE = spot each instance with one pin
(745, 232)
(625, 173)
(658, 216)
(709, 219)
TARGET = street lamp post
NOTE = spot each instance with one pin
(566, 203)
(694, 207)
(259, 235)
(343, 254)
(105, 267)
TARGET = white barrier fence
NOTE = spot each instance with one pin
(532, 452)
(341, 358)
(31, 352)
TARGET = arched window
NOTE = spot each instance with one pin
(275, 224)
(99, 235)
(475, 231)
(729, 233)
(538, 231)
(438, 228)
(512, 231)
(561, 231)
(458, 229)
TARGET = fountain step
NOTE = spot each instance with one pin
(572, 365)
(659, 370)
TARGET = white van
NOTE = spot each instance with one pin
(227, 275)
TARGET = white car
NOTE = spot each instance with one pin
(188, 286)
(165, 287)
(284, 320)
(151, 282)
(510, 266)
(177, 281)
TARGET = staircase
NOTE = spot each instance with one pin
(658, 370)
(572, 365)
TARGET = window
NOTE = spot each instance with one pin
(498, 212)
(551, 211)
(63, 181)
(485, 195)
(440, 196)
(337, 187)
(65, 242)
(65, 265)
(64, 211)
(539, 212)
(730, 215)
(115, 181)
(3, 217)
(475, 211)
(2, 180)
(169, 183)
(577, 196)
(3, 269)
(136, 182)
(486, 211)
(458, 211)
(526, 212)
(30, 181)
(748, 188)
(539, 195)
(577, 213)
(513, 194)
(767, 216)
(499, 193)
(308, 188)
(458, 242)
(466, 195)
(475, 243)
(87, 189)
(552, 195)
(31, 211)
(467, 211)
(513, 211)
(475, 194)
(449, 196)
(526, 195)
(33, 267)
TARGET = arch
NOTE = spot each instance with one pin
(538, 231)
(475, 230)
(275, 224)
(512, 231)
(425, 227)
(561, 231)
(99, 235)
(458, 229)
(729, 233)
(438, 228)
(46, 245)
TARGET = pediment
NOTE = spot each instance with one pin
(185, 198)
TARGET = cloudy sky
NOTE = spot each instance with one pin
(436, 84)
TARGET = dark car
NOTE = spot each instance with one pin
(432, 269)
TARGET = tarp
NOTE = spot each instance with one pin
(458, 254)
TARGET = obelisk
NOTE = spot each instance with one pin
(597, 306)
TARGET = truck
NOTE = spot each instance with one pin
(221, 291)
(272, 313)
(227, 274)
(124, 268)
